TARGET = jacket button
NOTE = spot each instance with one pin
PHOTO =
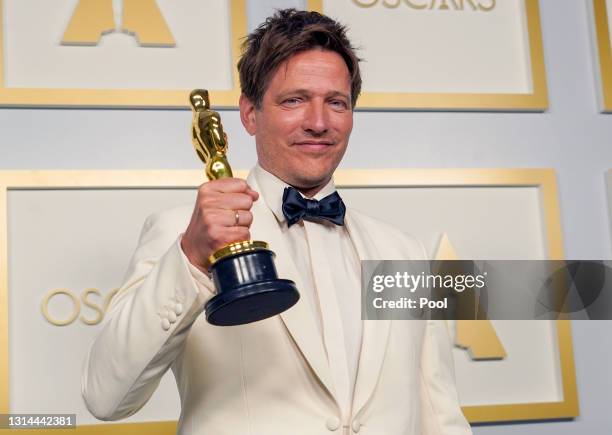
(172, 317)
(356, 426)
(165, 324)
(333, 423)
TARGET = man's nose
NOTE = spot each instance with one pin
(315, 118)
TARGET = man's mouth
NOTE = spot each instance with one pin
(314, 145)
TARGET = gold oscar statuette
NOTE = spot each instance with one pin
(244, 274)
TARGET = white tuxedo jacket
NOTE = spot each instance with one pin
(269, 377)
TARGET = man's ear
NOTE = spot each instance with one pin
(247, 114)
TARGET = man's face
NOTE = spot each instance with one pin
(305, 120)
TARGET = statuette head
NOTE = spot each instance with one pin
(199, 100)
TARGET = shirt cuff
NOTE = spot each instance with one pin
(202, 280)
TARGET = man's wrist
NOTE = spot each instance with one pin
(192, 258)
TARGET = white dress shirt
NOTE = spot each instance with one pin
(330, 270)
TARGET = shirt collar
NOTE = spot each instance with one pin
(272, 188)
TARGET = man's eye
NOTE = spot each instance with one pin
(291, 101)
(339, 104)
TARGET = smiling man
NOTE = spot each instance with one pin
(316, 368)
(303, 123)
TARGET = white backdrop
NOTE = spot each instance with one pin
(33, 30)
(480, 52)
(75, 240)
(492, 223)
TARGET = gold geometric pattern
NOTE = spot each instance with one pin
(604, 51)
(90, 20)
(141, 18)
(144, 19)
(477, 337)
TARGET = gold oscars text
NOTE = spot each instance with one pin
(92, 298)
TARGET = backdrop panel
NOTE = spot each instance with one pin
(140, 53)
(67, 237)
(439, 54)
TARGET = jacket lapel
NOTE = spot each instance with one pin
(375, 332)
(298, 319)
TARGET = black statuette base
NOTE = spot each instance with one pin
(248, 290)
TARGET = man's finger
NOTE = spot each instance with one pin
(227, 185)
(239, 218)
(229, 201)
(254, 194)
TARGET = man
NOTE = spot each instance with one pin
(316, 367)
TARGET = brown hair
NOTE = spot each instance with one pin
(285, 34)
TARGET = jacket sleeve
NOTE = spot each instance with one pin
(146, 323)
(441, 413)
(440, 410)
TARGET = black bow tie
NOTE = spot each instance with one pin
(296, 207)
